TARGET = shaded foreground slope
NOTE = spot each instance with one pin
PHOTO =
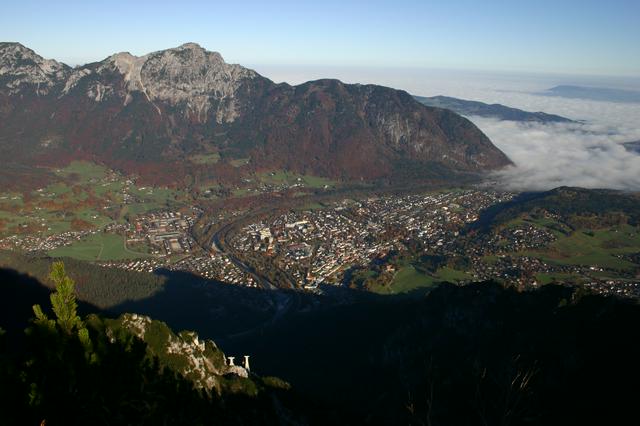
(478, 354)
(132, 370)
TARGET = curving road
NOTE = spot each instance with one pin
(283, 301)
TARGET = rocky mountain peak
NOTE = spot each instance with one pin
(191, 45)
(196, 78)
(190, 77)
(21, 66)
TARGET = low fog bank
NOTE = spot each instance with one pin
(548, 156)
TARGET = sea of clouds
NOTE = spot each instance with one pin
(589, 154)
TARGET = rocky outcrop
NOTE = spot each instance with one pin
(197, 360)
(21, 69)
(187, 76)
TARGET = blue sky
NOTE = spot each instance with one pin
(561, 36)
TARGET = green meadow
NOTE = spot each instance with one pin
(97, 247)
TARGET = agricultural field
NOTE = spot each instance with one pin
(146, 199)
(558, 278)
(408, 278)
(239, 162)
(83, 172)
(202, 159)
(97, 247)
(599, 248)
(83, 196)
(281, 177)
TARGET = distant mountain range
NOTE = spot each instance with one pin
(151, 114)
(593, 93)
(501, 112)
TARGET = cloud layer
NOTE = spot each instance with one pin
(548, 156)
(588, 155)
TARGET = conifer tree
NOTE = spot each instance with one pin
(64, 305)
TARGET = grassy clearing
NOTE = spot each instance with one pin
(556, 278)
(312, 206)
(57, 189)
(239, 162)
(97, 247)
(490, 259)
(281, 177)
(201, 159)
(57, 226)
(451, 275)
(558, 229)
(406, 279)
(150, 199)
(86, 170)
(104, 188)
(317, 181)
(140, 208)
(594, 248)
(242, 192)
(93, 217)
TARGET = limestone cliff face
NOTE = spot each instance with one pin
(197, 360)
(188, 77)
(141, 113)
(21, 69)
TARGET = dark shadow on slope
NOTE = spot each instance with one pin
(213, 309)
(19, 293)
(452, 356)
(487, 217)
(218, 310)
(465, 345)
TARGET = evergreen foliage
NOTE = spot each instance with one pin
(68, 371)
(64, 305)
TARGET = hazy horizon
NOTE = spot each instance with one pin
(570, 37)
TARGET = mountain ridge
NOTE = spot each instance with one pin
(499, 111)
(149, 114)
(600, 94)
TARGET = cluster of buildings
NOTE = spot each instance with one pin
(270, 185)
(139, 265)
(318, 246)
(216, 266)
(43, 243)
(166, 233)
(520, 238)
(615, 288)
